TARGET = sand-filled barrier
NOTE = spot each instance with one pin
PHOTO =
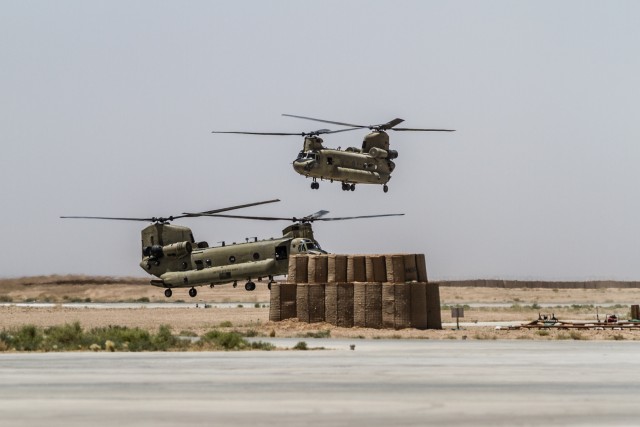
(371, 291)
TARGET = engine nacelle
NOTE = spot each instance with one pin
(178, 250)
(379, 153)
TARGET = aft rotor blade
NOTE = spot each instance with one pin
(110, 218)
(316, 215)
(261, 218)
(326, 121)
(424, 130)
(205, 213)
(264, 133)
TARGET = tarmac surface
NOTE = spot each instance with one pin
(379, 383)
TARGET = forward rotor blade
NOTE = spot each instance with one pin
(310, 218)
(326, 121)
(355, 217)
(424, 130)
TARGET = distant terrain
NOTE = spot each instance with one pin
(500, 301)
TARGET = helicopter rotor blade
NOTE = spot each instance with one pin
(310, 218)
(355, 217)
(231, 208)
(171, 218)
(424, 130)
(312, 133)
(326, 121)
(384, 126)
(110, 218)
(264, 133)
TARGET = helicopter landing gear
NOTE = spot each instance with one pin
(235, 283)
(385, 188)
(193, 292)
(315, 185)
(168, 293)
(250, 286)
(352, 187)
(212, 286)
(270, 282)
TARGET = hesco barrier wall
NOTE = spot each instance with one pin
(372, 291)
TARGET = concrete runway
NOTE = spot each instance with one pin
(381, 383)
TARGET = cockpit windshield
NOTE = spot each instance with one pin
(308, 245)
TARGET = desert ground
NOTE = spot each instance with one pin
(248, 311)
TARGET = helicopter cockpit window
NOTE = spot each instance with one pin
(301, 155)
(302, 247)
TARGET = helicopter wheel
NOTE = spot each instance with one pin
(193, 292)
(315, 185)
(168, 293)
(352, 187)
(250, 286)
(385, 188)
(345, 186)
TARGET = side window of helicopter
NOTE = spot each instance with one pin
(281, 253)
(329, 160)
(199, 265)
(232, 259)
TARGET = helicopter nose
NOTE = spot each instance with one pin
(302, 166)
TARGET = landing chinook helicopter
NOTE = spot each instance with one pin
(371, 164)
(171, 253)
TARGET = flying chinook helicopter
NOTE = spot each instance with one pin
(171, 253)
(370, 164)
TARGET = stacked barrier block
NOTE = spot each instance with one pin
(372, 291)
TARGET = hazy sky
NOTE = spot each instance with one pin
(106, 108)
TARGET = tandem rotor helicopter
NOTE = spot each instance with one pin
(370, 164)
(171, 253)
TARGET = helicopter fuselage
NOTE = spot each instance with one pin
(171, 254)
(371, 164)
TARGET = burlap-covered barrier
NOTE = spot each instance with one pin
(367, 305)
(395, 268)
(301, 274)
(434, 319)
(419, 305)
(635, 312)
(317, 269)
(338, 304)
(375, 268)
(337, 268)
(410, 271)
(356, 268)
(421, 267)
(291, 270)
(310, 302)
(396, 308)
(282, 303)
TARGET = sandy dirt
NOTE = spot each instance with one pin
(521, 308)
